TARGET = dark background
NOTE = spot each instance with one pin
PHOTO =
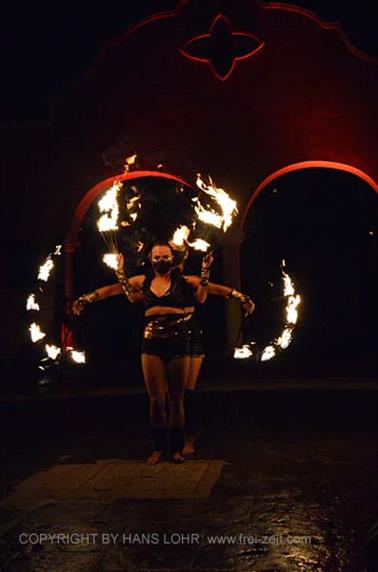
(329, 239)
(46, 45)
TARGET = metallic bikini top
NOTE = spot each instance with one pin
(179, 295)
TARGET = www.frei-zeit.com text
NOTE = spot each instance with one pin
(152, 538)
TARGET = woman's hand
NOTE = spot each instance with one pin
(248, 307)
(120, 263)
(77, 308)
(207, 260)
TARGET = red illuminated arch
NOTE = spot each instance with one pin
(306, 165)
(94, 192)
(71, 242)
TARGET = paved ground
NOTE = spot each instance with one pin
(267, 496)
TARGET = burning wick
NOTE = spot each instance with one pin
(110, 260)
(36, 333)
(268, 353)
(52, 351)
(77, 356)
(45, 269)
(31, 304)
(243, 353)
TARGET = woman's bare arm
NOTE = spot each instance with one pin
(225, 292)
(200, 292)
(111, 290)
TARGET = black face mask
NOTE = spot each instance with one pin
(162, 266)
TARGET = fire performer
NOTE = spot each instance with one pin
(169, 300)
(196, 349)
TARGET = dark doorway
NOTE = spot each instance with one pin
(323, 223)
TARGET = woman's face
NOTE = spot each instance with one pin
(161, 259)
(161, 252)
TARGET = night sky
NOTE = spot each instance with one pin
(46, 45)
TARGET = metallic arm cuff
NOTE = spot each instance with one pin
(205, 273)
(243, 298)
(89, 298)
(123, 280)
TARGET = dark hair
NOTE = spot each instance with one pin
(161, 243)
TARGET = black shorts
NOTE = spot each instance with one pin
(167, 336)
(166, 349)
(196, 348)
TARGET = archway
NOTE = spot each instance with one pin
(320, 218)
(72, 243)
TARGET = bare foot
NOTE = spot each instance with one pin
(154, 458)
(178, 457)
(189, 445)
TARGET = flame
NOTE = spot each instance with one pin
(284, 340)
(129, 161)
(52, 351)
(180, 235)
(108, 205)
(208, 216)
(58, 250)
(77, 356)
(268, 353)
(45, 269)
(31, 304)
(243, 353)
(288, 283)
(110, 260)
(131, 203)
(199, 244)
(291, 317)
(227, 205)
(291, 309)
(36, 333)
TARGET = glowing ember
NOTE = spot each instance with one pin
(110, 260)
(180, 235)
(268, 353)
(129, 161)
(199, 244)
(58, 250)
(133, 202)
(226, 204)
(78, 357)
(284, 339)
(108, 205)
(45, 269)
(243, 353)
(36, 333)
(52, 351)
(31, 304)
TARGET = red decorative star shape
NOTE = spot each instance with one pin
(221, 48)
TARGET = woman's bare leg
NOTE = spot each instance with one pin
(155, 379)
(190, 386)
(177, 370)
